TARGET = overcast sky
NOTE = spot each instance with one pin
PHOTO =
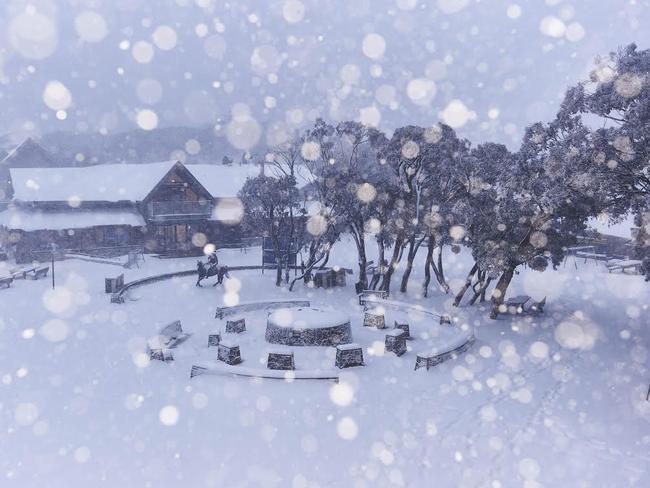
(258, 69)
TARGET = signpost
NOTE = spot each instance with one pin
(288, 253)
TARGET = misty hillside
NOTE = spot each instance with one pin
(193, 145)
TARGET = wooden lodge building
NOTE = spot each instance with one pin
(167, 208)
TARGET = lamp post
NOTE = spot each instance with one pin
(53, 246)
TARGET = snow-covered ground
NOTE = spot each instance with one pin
(557, 400)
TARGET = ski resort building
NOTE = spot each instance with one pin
(165, 207)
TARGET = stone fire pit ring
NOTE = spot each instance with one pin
(307, 327)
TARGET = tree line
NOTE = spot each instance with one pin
(425, 187)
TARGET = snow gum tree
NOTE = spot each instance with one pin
(616, 100)
(270, 203)
(543, 202)
(483, 175)
(422, 161)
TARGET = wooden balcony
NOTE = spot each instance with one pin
(181, 211)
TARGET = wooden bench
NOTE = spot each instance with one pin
(396, 341)
(374, 319)
(516, 304)
(280, 359)
(172, 335)
(624, 264)
(349, 355)
(6, 282)
(38, 273)
(229, 352)
(367, 296)
(113, 285)
(523, 304)
(236, 326)
(21, 274)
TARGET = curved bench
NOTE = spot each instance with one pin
(403, 306)
(119, 296)
(436, 355)
(296, 374)
(262, 305)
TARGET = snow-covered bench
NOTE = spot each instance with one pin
(436, 355)
(38, 273)
(624, 264)
(405, 307)
(263, 305)
(170, 337)
(21, 274)
(297, 374)
(523, 304)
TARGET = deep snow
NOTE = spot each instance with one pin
(552, 401)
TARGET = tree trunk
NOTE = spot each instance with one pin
(397, 251)
(363, 261)
(487, 283)
(427, 265)
(468, 282)
(306, 272)
(441, 273)
(381, 251)
(409, 264)
(480, 292)
(413, 250)
(499, 292)
(327, 258)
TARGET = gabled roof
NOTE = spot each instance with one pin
(183, 172)
(100, 183)
(125, 182)
(28, 154)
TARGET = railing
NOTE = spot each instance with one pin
(166, 210)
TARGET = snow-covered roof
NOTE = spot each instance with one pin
(223, 181)
(226, 181)
(29, 220)
(120, 182)
(105, 182)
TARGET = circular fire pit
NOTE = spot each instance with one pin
(307, 327)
